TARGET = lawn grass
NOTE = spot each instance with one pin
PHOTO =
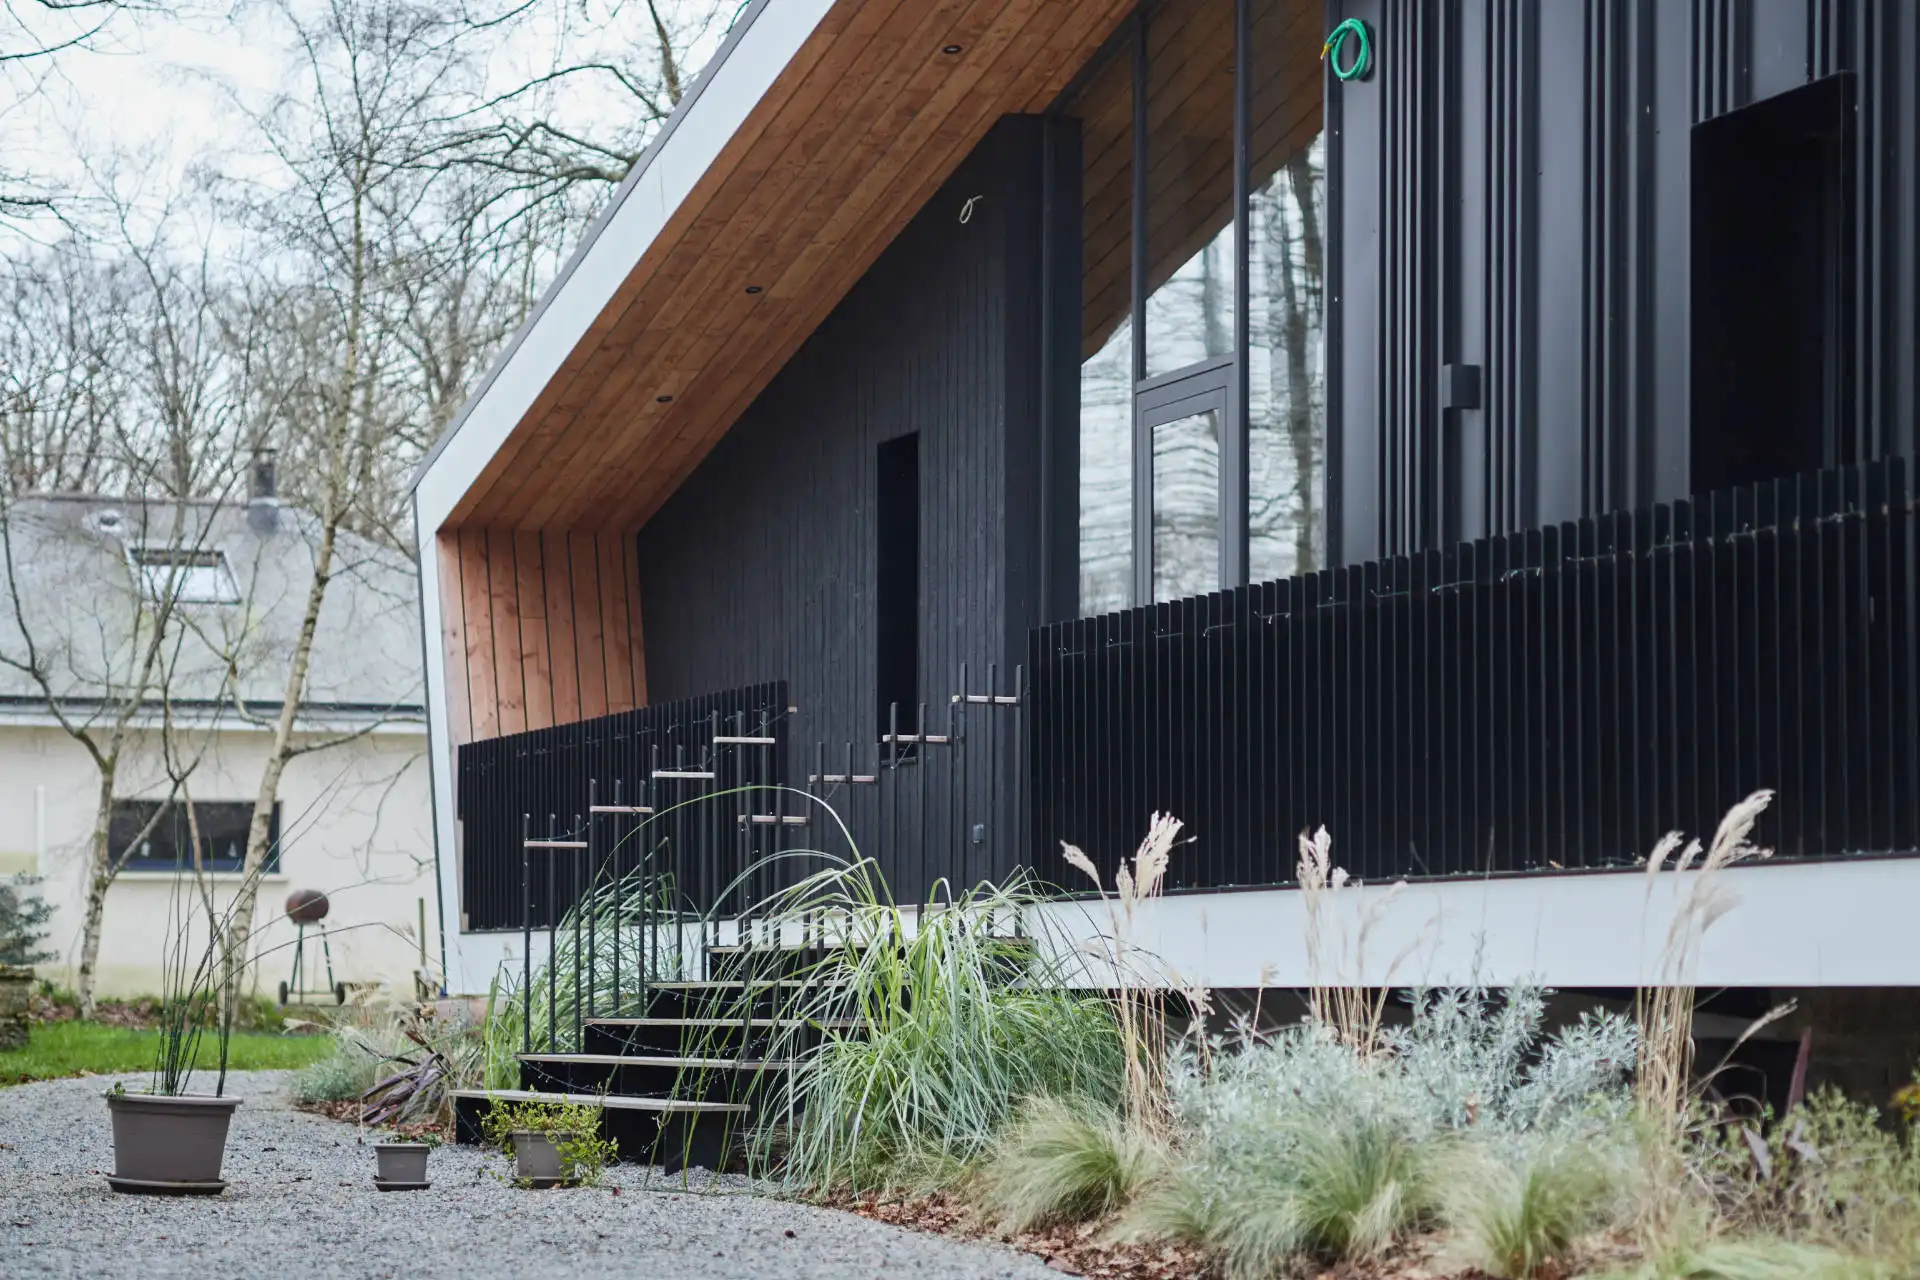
(57, 1049)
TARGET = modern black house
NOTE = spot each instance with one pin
(1486, 431)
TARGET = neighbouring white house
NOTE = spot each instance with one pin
(86, 579)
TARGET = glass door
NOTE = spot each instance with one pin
(1183, 532)
(1201, 255)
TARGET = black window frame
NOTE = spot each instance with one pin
(165, 846)
(1224, 376)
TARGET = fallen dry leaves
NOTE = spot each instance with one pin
(348, 1112)
(1083, 1250)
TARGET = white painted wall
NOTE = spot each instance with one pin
(354, 823)
(1831, 924)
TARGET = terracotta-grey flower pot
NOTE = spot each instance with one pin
(538, 1160)
(169, 1146)
(402, 1163)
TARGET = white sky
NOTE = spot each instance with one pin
(158, 88)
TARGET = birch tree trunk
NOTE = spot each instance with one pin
(260, 829)
(99, 880)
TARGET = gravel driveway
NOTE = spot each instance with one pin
(301, 1204)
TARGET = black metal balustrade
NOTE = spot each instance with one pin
(542, 785)
(703, 791)
(1552, 699)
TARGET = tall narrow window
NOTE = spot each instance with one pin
(897, 579)
(1287, 298)
(1104, 108)
(1190, 160)
(1204, 239)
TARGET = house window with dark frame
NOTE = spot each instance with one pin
(165, 842)
(897, 581)
(1202, 450)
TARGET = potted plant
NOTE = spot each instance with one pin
(403, 1165)
(166, 1140)
(555, 1144)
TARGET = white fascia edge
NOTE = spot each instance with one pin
(1842, 923)
(737, 81)
(372, 724)
(773, 35)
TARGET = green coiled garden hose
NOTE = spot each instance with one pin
(1363, 58)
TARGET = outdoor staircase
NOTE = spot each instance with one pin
(683, 1084)
(688, 1060)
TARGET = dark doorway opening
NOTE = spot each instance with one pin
(1772, 287)
(897, 579)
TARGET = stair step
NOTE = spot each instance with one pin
(610, 1101)
(636, 1060)
(734, 986)
(718, 1022)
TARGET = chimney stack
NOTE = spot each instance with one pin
(263, 493)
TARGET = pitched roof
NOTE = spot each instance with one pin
(808, 143)
(78, 579)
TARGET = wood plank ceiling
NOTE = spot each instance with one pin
(1190, 61)
(860, 129)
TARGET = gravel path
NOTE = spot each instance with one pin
(301, 1204)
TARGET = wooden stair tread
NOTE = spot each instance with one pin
(647, 1060)
(740, 985)
(718, 1022)
(612, 1101)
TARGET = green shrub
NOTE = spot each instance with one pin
(573, 1126)
(23, 917)
(1512, 1217)
(1340, 1186)
(1297, 1145)
(935, 1033)
(420, 1060)
(1064, 1161)
(1754, 1260)
(585, 976)
(347, 1071)
(1829, 1172)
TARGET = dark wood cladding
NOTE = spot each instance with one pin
(763, 565)
(1547, 700)
(1510, 189)
(540, 783)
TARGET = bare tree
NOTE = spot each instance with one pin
(64, 384)
(529, 145)
(372, 75)
(96, 632)
(33, 34)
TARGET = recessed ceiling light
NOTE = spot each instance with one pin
(664, 399)
(753, 288)
(951, 49)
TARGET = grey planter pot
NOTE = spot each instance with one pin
(402, 1164)
(538, 1161)
(169, 1146)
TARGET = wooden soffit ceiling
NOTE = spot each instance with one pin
(853, 137)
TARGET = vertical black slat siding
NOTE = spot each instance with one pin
(546, 772)
(763, 562)
(1550, 699)
(1540, 152)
